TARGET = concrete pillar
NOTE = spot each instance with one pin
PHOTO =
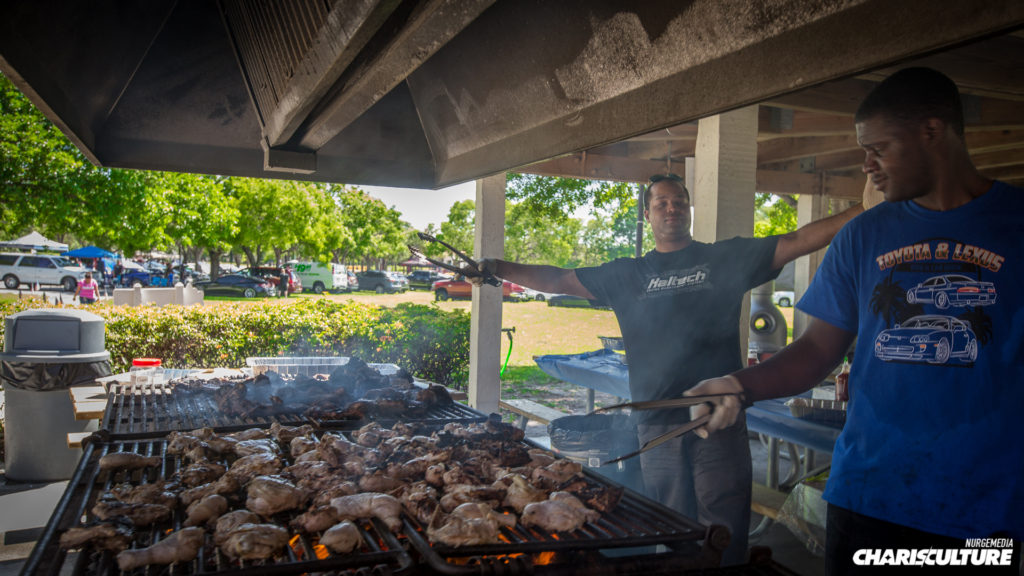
(485, 331)
(724, 183)
(809, 207)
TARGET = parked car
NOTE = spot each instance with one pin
(928, 338)
(133, 273)
(424, 279)
(353, 281)
(459, 287)
(272, 274)
(238, 285)
(783, 298)
(531, 294)
(17, 269)
(569, 301)
(952, 290)
(320, 277)
(381, 281)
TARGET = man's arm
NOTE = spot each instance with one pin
(542, 278)
(795, 369)
(818, 234)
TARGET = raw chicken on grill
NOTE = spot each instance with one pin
(128, 461)
(255, 542)
(561, 512)
(232, 520)
(203, 511)
(181, 546)
(113, 536)
(139, 514)
(342, 538)
(369, 505)
(269, 495)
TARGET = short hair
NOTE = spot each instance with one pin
(913, 95)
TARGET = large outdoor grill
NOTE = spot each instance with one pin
(636, 521)
(145, 411)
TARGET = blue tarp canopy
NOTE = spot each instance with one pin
(89, 252)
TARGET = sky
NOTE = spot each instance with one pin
(422, 207)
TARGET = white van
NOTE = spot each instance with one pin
(18, 269)
(319, 277)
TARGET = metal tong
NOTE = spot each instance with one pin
(475, 268)
(668, 403)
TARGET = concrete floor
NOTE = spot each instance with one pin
(26, 508)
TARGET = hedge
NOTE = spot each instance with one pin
(428, 342)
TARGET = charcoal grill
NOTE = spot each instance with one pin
(135, 412)
(383, 553)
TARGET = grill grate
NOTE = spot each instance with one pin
(145, 411)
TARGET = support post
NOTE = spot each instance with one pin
(724, 183)
(485, 331)
(809, 207)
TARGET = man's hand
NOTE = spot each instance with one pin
(484, 266)
(726, 408)
(871, 196)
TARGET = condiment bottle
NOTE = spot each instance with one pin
(843, 382)
(146, 371)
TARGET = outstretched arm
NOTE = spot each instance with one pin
(543, 278)
(818, 234)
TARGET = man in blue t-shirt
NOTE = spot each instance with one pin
(679, 308)
(930, 284)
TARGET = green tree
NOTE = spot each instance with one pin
(533, 238)
(458, 229)
(774, 214)
(274, 216)
(378, 234)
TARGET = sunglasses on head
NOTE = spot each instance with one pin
(660, 177)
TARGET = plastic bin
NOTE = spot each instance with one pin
(45, 353)
(593, 440)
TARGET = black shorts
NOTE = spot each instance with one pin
(85, 300)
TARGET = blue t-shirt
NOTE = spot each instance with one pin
(937, 383)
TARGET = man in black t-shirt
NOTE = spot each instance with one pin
(678, 308)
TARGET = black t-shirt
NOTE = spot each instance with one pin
(679, 313)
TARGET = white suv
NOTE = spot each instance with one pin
(18, 269)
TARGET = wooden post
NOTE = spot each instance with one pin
(485, 332)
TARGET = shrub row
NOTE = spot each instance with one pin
(428, 342)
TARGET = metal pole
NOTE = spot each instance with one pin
(640, 222)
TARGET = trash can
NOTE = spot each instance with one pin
(45, 353)
(768, 330)
(593, 440)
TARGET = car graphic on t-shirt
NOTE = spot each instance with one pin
(929, 338)
(952, 290)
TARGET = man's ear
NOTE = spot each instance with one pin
(934, 129)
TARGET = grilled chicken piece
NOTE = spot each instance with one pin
(250, 434)
(228, 522)
(269, 495)
(285, 434)
(342, 538)
(557, 473)
(137, 514)
(520, 492)
(324, 497)
(113, 536)
(301, 445)
(222, 444)
(257, 446)
(471, 524)
(420, 501)
(225, 486)
(539, 458)
(336, 450)
(199, 473)
(181, 546)
(417, 466)
(154, 493)
(203, 511)
(128, 461)
(314, 477)
(462, 493)
(434, 475)
(368, 505)
(379, 482)
(248, 467)
(372, 435)
(315, 519)
(255, 541)
(561, 512)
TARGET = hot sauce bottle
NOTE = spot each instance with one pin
(843, 382)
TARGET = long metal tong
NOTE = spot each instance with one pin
(474, 270)
(667, 403)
